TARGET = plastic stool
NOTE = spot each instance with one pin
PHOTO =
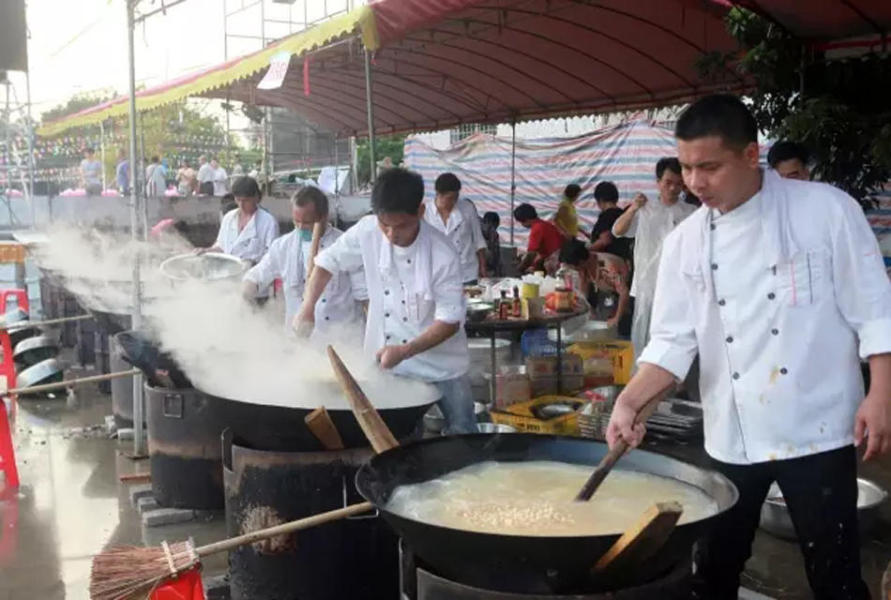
(187, 586)
(7, 364)
(21, 297)
(7, 455)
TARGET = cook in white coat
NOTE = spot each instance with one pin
(416, 304)
(648, 223)
(779, 286)
(458, 219)
(289, 259)
(248, 231)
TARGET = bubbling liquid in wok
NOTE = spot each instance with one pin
(536, 498)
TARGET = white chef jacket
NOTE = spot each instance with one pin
(220, 182)
(408, 289)
(288, 259)
(464, 230)
(252, 242)
(649, 226)
(205, 173)
(777, 296)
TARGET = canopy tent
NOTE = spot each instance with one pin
(438, 63)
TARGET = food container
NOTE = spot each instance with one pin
(563, 299)
(478, 311)
(495, 428)
(605, 363)
(775, 518)
(530, 290)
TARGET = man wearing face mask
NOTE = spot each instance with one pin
(289, 259)
(649, 223)
(416, 302)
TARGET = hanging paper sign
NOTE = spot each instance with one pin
(278, 68)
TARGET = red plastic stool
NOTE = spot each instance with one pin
(7, 454)
(7, 364)
(187, 586)
(21, 297)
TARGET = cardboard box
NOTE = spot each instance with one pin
(546, 366)
(542, 386)
(600, 360)
(511, 387)
(522, 417)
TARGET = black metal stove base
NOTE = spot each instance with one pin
(418, 583)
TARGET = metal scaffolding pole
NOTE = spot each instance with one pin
(135, 213)
(369, 99)
(513, 175)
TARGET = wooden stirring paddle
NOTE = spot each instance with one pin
(322, 427)
(615, 453)
(377, 432)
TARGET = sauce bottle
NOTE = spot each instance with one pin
(504, 306)
(517, 305)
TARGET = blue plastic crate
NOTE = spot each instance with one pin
(535, 343)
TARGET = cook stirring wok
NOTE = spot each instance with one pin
(779, 286)
(415, 294)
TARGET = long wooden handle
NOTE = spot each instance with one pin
(290, 527)
(48, 387)
(377, 432)
(322, 427)
(46, 322)
(640, 541)
(615, 453)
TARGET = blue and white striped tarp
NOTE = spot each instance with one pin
(625, 154)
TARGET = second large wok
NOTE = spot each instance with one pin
(514, 563)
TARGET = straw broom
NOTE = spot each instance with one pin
(134, 572)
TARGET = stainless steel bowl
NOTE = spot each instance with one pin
(35, 349)
(775, 518)
(495, 428)
(478, 311)
(210, 266)
(46, 371)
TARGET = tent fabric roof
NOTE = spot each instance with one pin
(446, 62)
(360, 20)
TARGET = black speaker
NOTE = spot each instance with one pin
(13, 36)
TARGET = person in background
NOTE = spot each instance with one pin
(289, 260)
(415, 292)
(779, 287)
(220, 179)
(457, 218)
(649, 223)
(248, 231)
(122, 173)
(566, 219)
(789, 159)
(227, 203)
(491, 222)
(545, 240)
(186, 180)
(604, 280)
(205, 176)
(606, 194)
(155, 183)
(91, 173)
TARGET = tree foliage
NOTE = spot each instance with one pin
(835, 107)
(384, 147)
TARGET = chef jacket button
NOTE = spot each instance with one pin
(775, 331)
(324, 300)
(386, 292)
(327, 318)
(771, 296)
(386, 314)
(729, 339)
(784, 371)
(714, 266)
(405, 318)
(403, 301)
(713, 226)
(404, 341)
(736, 375)
(722, 302)
(409, 261)
(387, 338)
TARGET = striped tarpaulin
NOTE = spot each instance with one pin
(625, 154)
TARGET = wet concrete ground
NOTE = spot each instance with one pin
(71, 505)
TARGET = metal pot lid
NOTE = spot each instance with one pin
(210, 266)
(37, 373)
(33, 343)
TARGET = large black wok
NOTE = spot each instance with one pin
(512, 563)
(278, 428)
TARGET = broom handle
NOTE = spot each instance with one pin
(290, 527)
(47, 322)
(48, 387)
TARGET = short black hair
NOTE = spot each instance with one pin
(574, 253)
(722, 115)
(572, 191)
(227, 202)
(606, 191)
(787, 150)
(154, 158)
(668, 163)
(246, 187)
(311, 195)
(525, 212)
(397, 190)
(447, 182)
(492, 219)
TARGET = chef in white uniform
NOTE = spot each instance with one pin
(648, 223)
(289, 259)
(779, 286)
(416, 304)
(458, 219)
